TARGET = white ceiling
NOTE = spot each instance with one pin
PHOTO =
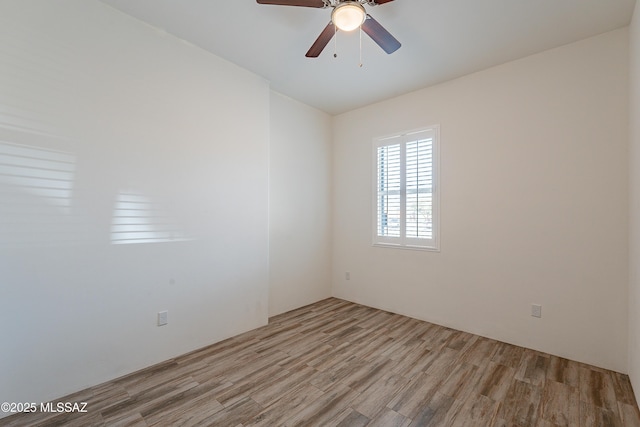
(441, 40)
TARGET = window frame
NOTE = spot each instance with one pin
(404, 242)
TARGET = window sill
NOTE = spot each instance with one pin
(406, 247)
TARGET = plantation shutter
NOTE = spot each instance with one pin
(389, 186)
(419, 188)
(405, 212)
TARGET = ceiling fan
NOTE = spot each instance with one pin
(347, 15)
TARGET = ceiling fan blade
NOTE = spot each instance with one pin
(323, 39)
(385, 40)
(382, 1)
(303, 3)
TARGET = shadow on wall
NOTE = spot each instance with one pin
(37, 204)
(138, 219)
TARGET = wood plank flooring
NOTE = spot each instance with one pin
(335, 363)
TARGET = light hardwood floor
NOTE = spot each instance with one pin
(335, 363)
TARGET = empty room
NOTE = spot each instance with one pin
(320, 212)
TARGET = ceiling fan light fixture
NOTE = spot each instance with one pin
(348, 16)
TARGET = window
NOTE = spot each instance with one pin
(405, 190)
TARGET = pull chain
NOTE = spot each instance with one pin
(335, 41)
(360, 46)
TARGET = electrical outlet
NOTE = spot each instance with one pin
(162, 318)
(536, 310)
(347, 275)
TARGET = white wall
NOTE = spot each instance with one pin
(95, 105)
(533, 204)
(634, 212)
(299, 205)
